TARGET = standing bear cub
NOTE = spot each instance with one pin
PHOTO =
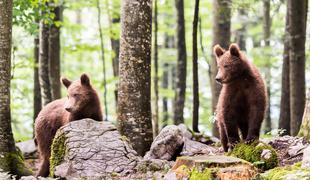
(242, 101)
(82, 102)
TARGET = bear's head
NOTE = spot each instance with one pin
(80, 93)
(231, 64)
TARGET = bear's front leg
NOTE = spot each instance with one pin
(232, 132)
(256, 116)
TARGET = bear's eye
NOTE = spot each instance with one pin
(226, 66)
(75, 95)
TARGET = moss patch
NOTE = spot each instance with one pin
(207, 174)
(13, 162)
(253, 153)
(288, 172)
(58, 151)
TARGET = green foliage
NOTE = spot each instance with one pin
(254, 153)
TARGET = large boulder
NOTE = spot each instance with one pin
(91, 149)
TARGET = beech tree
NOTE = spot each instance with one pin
(297, 34)
(10, 159)
(134, 108)
(181, 65)
(221, 36)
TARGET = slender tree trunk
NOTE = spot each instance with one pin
(134, 107)
(181, 65)
(305, 126)
(156, 114)
(284, 121)
(267, 28)
(165, 84)
(195, 70)
(54, 55)
(45, 85)
(10, 161)
(241, 32)
(221, 36)
(103, 61)
(114, 20)
(297, 30)
(36, 84)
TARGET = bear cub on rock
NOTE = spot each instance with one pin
(242, 101)
(82, 102)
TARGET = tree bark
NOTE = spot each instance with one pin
(10, 160)
(241, 32)
(54, 54)
(221, 36)
(181, 65)
(156, 114)
(45, 85)
(195, 71)
(36, 84)
(134, 108)
(267, 29)
(297, 30)
(305, 126)
(284, 121)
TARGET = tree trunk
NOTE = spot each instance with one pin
(156, 114)
(181, 65)
(297, 30)
(36, 84)
(267, 28)
(305, 126)
(103, 61)
(10, 159)
(114, 38)
(134, 107)
(221, 36)
(241, 32)
(54, 55)
(165, 84)
(45, 85)
(284, 121)
(195, 71)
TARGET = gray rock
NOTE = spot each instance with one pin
(95, 150)
(191, 148)
(185, 132)
(167, 145)
(28, 148)
(306, 158)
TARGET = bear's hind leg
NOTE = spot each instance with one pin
(44, 167)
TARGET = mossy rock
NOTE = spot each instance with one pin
(58, 151)
(294, 172)
(212, 167)
(262, 155)
(13, 163)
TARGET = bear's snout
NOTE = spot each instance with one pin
(68, 109)
(218, 79)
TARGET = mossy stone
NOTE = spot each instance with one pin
(253, 153)
(288, 172)
(58, 151)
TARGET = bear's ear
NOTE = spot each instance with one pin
(66, 82)
(85, 79)
(218, 50)
(234, 50)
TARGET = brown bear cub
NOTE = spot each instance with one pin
(82, 102)
(242, 101)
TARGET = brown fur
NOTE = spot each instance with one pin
(82, 102)
(242, 100)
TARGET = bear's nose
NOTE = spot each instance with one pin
(218, 79)
(68, 109)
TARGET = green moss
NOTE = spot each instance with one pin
(13, 162)
(207, 174)
(252, 153)
(58, 151)
(304, 131)
(287, 172)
